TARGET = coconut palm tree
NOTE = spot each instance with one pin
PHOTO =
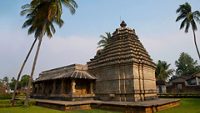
(41, 17)
(104, 39)
(26, 9)
(189, 19)
(162, 70)
(20, 72)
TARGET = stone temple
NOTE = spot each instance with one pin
(122, 71)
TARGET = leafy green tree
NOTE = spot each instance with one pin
(163, 70)
(104, 39)
(12, 83)
(186, 65)
(1, 82)
(1, 86)
(41, 17)
(24, 80)
(6, 79)
(189, 19)
(6, 82)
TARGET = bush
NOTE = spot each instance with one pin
(5, 96)
(31, 103)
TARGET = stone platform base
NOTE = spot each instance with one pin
(150, 106)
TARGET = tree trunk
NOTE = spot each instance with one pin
(32, 72)
(195, 42)
(19, 74)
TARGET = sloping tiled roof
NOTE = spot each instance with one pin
(194, 76)
(76, 71)
(180, 79)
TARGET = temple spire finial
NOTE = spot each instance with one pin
(123, 24)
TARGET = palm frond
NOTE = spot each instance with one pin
(38, 32)
(52, 28)
(48, 31)
(181, 16)
(27, 23)
(71, 4)
(187, 27)
(104, 40)
(25, 11)
(194, 26)
(103, 37)
(183, 23)
(31, 30)
(59, 22)
(26, 6)
(196, 16)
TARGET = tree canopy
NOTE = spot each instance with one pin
(12, 83)
(24, 81)
(163, 70)
(5, 79)
(188, 17)
(186, 65)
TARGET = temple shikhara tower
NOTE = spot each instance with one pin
(122, 71)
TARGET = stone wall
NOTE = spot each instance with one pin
(125, 82)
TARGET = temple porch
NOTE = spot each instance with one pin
(65, 89)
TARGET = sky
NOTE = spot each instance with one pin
(76, 42)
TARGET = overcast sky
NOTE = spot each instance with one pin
(76, 41)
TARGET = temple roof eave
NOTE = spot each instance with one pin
(70, 74)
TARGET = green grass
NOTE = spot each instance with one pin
(6, 103)
(188, 105)
(37, 109)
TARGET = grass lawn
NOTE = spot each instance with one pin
(37, 109)
(188, 105)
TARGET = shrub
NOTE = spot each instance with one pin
(5, 96)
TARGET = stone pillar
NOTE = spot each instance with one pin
(143, 86)
(36, 92)
(33, 88)
(91, 87)
(119, 83)
(54, 87)
(62, 88)
(73, 88)
(42, 88)
(139, 81)
(197, 80)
